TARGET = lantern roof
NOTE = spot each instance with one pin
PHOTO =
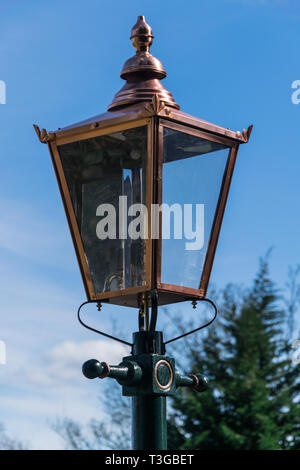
(139, 111)
(142, 96)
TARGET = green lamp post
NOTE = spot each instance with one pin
(119, 174)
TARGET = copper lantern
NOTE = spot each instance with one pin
(144, 152)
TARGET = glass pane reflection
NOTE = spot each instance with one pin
(192, 175)
(98, 171)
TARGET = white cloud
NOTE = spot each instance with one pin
(36, 389)
(62, 364)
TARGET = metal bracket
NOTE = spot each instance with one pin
(98, 331)
(200, 327)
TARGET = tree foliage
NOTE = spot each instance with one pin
(253, 398)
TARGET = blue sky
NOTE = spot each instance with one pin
(231, 62)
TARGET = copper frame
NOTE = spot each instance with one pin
(155, 115)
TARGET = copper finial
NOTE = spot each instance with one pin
(141, 35)
(142, 72)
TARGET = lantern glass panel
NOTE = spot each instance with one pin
(193, 172)
(106, 175)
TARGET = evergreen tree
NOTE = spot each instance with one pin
(252, 399)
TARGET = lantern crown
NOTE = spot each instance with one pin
(142, 72)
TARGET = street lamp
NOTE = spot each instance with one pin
(124, 177)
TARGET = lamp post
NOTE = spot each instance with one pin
(121, 175)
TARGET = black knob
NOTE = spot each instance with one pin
(92, 369)
(201, 383)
